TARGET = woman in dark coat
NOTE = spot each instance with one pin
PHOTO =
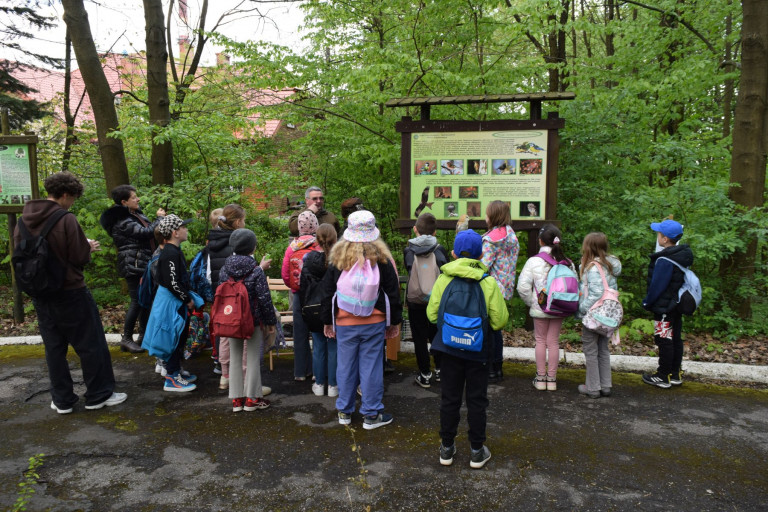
(134, 237)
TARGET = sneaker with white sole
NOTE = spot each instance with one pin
(318, 389)
(676, 378)
(224, 382)
(265, 390)
(160, 367)
(237, 404)
(187, 375)
(377, 420)
(253, 404)
(116, 398)
(540, 382)
(424, 381)
(178, 384)
(437, 375)
(478, 458)
(61, 411)
(447, 454)
(333, 391)
(658, 380)
(551, 383)
(345, 418)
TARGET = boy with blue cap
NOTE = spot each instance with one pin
(664, 282)
(465, 367)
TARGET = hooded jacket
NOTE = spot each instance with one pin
(423, 245)
(500, 250)
(66, 239)
(533, 278)
(591, 288)
(134, 237)
(247, 269)
(218, 250)
(665, 279)
(498, 315)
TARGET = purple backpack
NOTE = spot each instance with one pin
(561, 295)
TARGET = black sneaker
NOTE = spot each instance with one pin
(388, 366)
(424, 380)
(676, 378)
(446, 454)
(657, 380)
(437, 375)
(478, 458)
(377, 420)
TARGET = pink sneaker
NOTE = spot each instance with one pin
(540, 382)
(551, 383)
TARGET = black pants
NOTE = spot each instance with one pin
(458, 374)
(423, 332)
(71, 318)
(135, 311)
(670, 344)
(498, 347)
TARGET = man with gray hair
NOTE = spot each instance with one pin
(315, 203)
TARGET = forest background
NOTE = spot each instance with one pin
(655, 128)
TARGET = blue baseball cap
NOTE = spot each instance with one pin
(669, 228)
(468, 244)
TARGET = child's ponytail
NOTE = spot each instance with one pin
(552, 237)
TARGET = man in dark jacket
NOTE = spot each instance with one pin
(664, 282)
(69, 316)
(134, 237)
(315, 202)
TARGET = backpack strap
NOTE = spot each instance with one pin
(52, 220)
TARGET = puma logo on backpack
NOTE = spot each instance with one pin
(462, 319)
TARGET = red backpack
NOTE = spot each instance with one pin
(231, 313)
(296, 263)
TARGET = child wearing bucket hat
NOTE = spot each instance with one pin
(664, 282)
(361, 309)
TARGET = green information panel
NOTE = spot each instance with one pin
(15, 184)
(457, 173)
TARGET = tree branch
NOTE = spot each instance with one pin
(678, 18)
(129, 93)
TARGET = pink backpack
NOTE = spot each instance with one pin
(358, 289)
(561, 295)
(606, 314)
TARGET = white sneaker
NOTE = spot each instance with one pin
(318, 389)
(265, 390)
(333, 391)
(224, 382)
(160, 367)
(60, 411)
(116, 398)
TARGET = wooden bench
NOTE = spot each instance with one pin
(286, 317)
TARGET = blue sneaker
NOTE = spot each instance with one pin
(377, 420)
(188, 376)
(178, 384)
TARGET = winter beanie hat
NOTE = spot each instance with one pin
(242, 241)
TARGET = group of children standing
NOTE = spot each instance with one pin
(347, 297)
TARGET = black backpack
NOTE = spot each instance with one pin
(38, 271)
(310, 297)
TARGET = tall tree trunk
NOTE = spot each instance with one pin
(157, 90)
(729, 85)
(750, 137)
(69, 120)
(102, 99)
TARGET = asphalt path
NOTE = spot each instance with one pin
(702, 446)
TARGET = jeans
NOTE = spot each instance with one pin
(360, 351)
(302, 353)
(324, 359)
(135, 311)
(423, 332)
(597, 358)
(173, 364)
(547, 334)
(670, 349)
(70, 317)
(469, 378)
